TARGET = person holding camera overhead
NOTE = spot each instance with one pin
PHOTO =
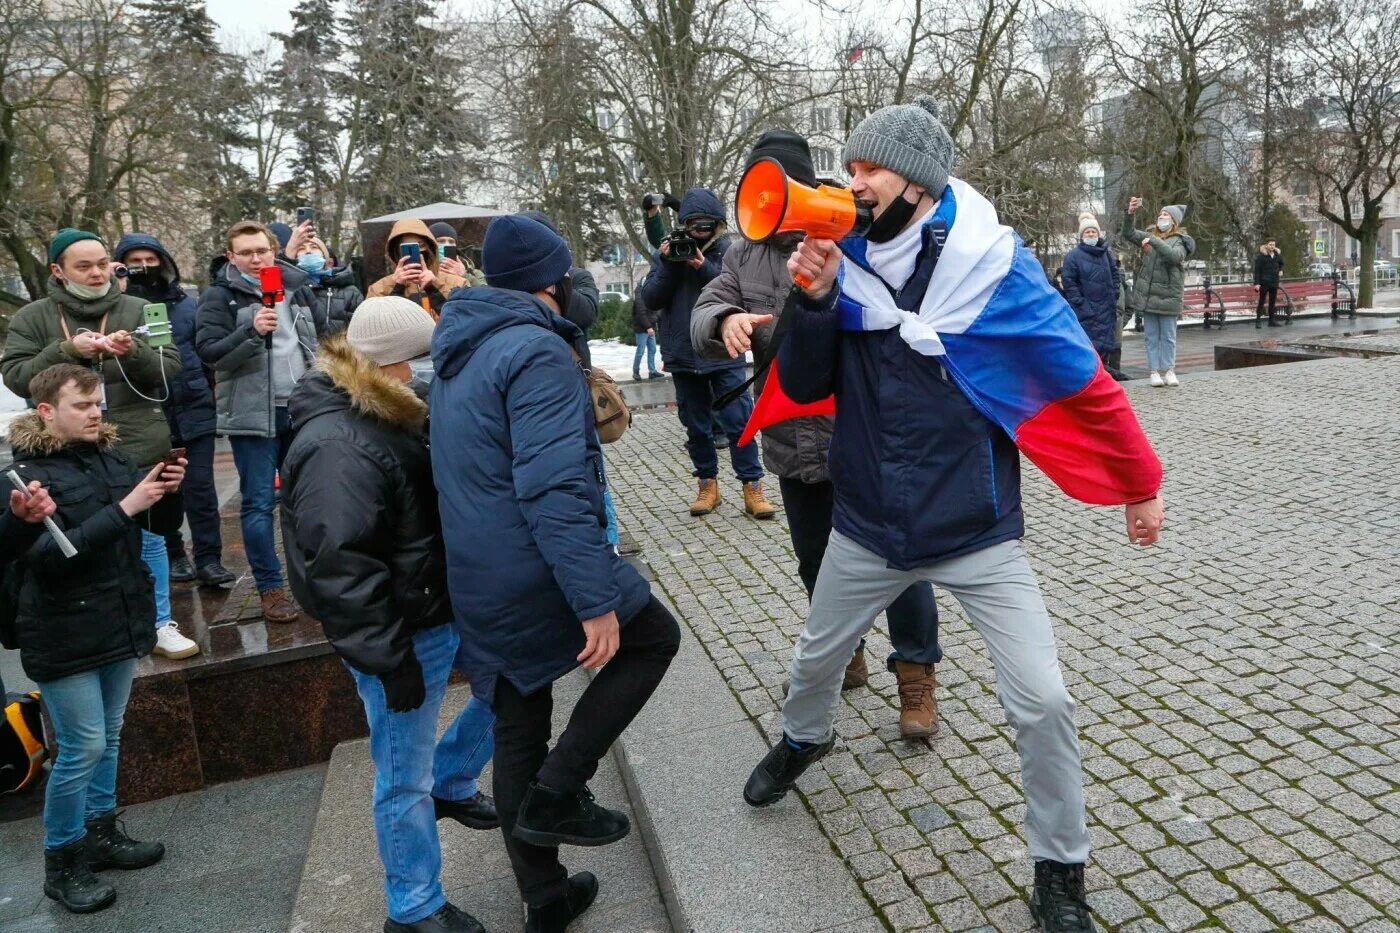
(412, 252)
(686, 261)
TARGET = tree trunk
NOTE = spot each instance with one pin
(1366, 280)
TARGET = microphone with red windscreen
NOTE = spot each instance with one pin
(272, 293)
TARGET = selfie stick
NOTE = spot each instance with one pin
(64, 544)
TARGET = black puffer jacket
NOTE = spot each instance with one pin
(359, 511)
(77, 614)
(337, 297)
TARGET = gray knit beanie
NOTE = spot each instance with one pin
(1177, 212)
(907, 139)
(390, 329)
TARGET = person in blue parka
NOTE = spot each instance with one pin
(1091, 281)
(536, 589)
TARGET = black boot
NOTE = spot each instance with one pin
(110, 847)
(477, 812)
(1058, 902)
(69, 880)
(780, 769)
(180, 569)
(214, 574)
(1273, 321)
(550, 818)
(447, 919)
(556, 916)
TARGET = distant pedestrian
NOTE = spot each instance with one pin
(1090, 282)
(1268, 270)
(644, 331)
(1160, 285)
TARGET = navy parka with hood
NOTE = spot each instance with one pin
(520, 481)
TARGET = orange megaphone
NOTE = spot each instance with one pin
(769, 203)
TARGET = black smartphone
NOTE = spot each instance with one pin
(413, 251)
(304, 214)
(174, 457)
(447, 251)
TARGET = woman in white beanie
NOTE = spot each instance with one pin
(1090, 279)
(365, 557)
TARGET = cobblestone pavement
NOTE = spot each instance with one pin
(1237, 685)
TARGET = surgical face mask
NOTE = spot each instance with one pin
(894, 219)
(1091, 241)
(1164, 225)
(422, 379)
(312, 262)
(86, 292)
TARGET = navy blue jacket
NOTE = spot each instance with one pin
(519, 475)
(672, 288)
(920, 474)
(1090, 278)
(190, 408)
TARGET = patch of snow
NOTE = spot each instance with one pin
(615, 358)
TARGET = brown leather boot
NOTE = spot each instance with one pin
(278, 607)
(754, 502)
(708, 499)
(918, 711)
(857, 675)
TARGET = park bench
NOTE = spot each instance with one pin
(1215, 302)
(1305, 294)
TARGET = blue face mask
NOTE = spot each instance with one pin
(311, 262)
(422, 380)
(252, 279)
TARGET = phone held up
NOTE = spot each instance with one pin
(413, 252)
(305, 214)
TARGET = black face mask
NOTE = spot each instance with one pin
(564, 293)
(888, 225)
(144, 282)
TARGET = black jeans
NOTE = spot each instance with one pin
(201, 504)
(1271, 293)
(913, 616)
(611, 701)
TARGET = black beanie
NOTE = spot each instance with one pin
(541, 217)
(523, 255)
(442, 229)
(791, 152)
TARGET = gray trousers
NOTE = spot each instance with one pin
(999, 593)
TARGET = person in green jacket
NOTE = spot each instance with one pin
(1160, 283)
(87, 320)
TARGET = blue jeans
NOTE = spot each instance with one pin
(1160, 337)
(695, 392)
(645, 342)
(158, 562)
(87, 711)
(408, 768)
(257, 460)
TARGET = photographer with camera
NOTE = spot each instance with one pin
(82, 622)
(685, 262)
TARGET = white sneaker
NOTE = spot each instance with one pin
(1170, 379)
(1155, 380)
(171, 644)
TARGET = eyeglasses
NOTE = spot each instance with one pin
(253, 253)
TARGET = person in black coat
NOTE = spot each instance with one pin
(644, 332)
(1268, 271)
(20, 527)
(152, 275)
(80, 623)
(365, 556)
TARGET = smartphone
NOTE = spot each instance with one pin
(157, 318)
(175, 456)
(413, 251)
(447, 251)
(304, 214)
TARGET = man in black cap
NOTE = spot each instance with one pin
(739, 310)
(446, 235)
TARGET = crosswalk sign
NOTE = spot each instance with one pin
(1320, 247)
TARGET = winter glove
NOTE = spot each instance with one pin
(403, 686)
(673, 202)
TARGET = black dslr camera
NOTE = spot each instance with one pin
(683, 246)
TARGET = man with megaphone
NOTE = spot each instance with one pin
(943, 349)
(744, 308)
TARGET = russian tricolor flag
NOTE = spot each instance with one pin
(1014, 347)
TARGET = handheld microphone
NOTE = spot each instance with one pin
(272, 293)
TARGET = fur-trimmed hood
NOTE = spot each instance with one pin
(345, 379)
(29, 437)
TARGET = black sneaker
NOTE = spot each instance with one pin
(779, 771)
(1057, 902)
(68, 879)
(180, 570)
(551, 818)
(478, 812)
(214, 574)
(556, 916)
(109, 846)
(447, 919)
(657, 376)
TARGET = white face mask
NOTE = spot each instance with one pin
(1164, 225)
(86, 292)
(1091, 241)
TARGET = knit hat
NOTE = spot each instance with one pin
(66, 238)
(523, 255)
(1088, 220)
(541, 217)
(790, 150)
(907, 139)
(441, 229)
(1177, 212)
(390, 329)
(283, 232)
